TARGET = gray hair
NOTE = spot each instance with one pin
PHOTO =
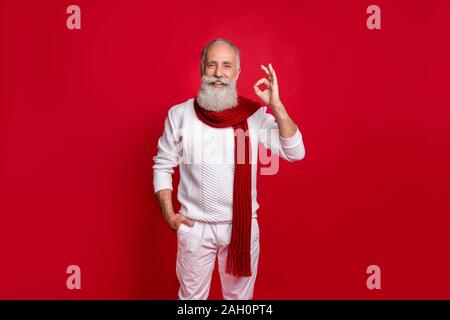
(220, 40)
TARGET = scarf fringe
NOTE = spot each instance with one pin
(238, 264)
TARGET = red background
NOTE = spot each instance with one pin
(81, 112)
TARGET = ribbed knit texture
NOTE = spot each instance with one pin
(215, 197)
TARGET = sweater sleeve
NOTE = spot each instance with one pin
(290, 149)
(168, 156)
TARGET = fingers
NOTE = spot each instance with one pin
(272, 72)
(258, 91)
(265, 70)
(262, 81)
(188, 222)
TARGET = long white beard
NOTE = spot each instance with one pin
(217, 99)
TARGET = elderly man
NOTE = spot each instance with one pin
(214, 140)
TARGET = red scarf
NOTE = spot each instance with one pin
(238, 258)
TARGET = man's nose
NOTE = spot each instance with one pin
(218, 72)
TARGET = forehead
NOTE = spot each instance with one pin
(220, 52)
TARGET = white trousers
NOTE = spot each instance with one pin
(198, 247)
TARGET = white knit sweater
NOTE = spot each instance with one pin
(206, 159)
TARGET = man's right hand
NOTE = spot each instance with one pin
(175, 220)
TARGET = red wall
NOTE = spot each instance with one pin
(81, 112)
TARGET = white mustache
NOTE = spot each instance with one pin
(212, 79)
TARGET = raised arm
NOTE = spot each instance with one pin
(280, 132)
(271, 97)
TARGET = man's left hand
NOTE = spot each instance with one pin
(270, 96)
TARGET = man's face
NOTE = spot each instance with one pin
(221, 62)
(219, 75)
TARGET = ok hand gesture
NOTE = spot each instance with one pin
(270, 96)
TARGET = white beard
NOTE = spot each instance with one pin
(217, 99)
